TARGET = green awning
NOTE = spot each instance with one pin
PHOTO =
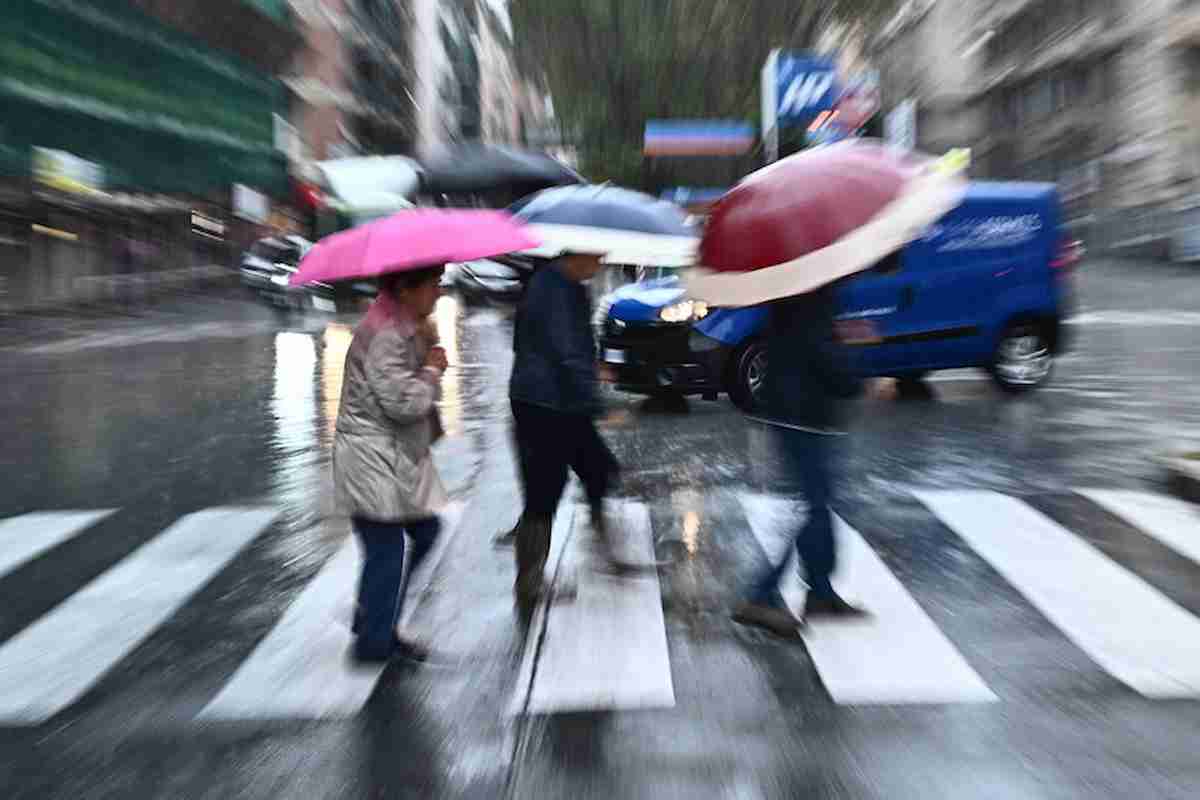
(157, 109)
(275, 9)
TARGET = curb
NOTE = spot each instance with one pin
(1183, 474)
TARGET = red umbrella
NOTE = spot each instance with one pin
(412, 239)
(818, 216)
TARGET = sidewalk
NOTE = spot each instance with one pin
(184, 304)
(125, 290)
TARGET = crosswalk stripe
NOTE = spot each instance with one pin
(50, 664)
(1126, 626)
(301, 669)
(1172, 522)
(896, 656)
(607, 647)
(26, 537)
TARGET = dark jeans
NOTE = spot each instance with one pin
(549, 443)
(380, 589)
(806, 458)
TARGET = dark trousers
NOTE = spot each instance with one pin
(380, 589)
(806, 459)
(549, 443)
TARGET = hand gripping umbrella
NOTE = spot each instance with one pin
(819, 216)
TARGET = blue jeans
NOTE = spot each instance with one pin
(806, 458)
(380, 588)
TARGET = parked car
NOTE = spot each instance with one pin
(267, 268)
(272, 258)
(987, 286)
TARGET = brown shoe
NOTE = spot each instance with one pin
(831, 607)
(773, 619)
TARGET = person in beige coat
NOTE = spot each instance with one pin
(383, 471)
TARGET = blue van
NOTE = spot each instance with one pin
(986, 286)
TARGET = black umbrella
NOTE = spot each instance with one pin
(482, 168)
(624, 226)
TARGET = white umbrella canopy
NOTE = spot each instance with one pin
(362, 182)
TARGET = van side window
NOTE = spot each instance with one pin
(889, 265)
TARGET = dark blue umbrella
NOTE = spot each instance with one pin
(624, 226)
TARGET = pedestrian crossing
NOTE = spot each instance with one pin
(300, 670)
(1129, 628)
(896, 655)
(608, 646)
(50, 664)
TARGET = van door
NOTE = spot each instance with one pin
(969, 261)
(881, 296)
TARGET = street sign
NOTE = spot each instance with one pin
(697, 137)
(806, 85)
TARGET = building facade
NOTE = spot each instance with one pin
(131, 128)
(406, 77)
(1101, 96)
(169, 97)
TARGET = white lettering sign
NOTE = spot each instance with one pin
(804, 91)
(984, 233)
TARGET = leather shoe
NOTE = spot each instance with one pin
(773, 619)
(832, 607)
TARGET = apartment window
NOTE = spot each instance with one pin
(1039, 99)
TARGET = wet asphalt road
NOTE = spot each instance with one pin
(987, 672)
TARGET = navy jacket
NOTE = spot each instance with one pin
(808, 375)
(554, 346)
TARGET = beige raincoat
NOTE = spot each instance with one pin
(382, 466)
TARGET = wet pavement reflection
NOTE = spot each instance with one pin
(218, 402)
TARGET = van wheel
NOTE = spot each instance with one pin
(1023, 358)
(748, 373)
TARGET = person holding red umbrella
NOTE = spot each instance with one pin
(783, 237)
(383, 472)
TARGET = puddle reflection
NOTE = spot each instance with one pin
(336, 340)
(686, 502)
(294, 409)
(446, 318)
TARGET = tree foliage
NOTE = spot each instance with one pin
(613, 64)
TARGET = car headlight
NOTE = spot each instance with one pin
(684, 311)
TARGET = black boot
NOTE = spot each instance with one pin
(509, 537)
(532, 550)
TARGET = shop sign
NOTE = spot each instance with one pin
(250, 205)
(65, 172)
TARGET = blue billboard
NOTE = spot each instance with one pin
(805, 85)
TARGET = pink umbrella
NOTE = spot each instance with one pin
(412, 239)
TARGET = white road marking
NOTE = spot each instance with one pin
(26, 537)
(50, 664)
(1127, 627)
(895, 656)
(607, 647)
(1173, 522)
(561, 574)
(302, 668)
